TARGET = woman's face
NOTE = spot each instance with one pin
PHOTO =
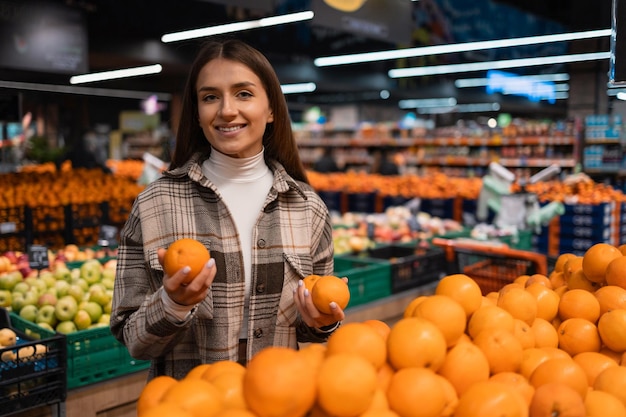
(233, 108)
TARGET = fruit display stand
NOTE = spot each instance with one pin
(33, 371)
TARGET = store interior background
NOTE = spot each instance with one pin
(101, 35)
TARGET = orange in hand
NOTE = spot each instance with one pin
(329, 288)
(185, 252)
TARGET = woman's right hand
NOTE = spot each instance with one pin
(193, 292)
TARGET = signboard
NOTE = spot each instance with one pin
(38, 257)
(385, 20)
(617, 67)
(46, 37)
(508, 83)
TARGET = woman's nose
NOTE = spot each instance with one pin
(228, 108)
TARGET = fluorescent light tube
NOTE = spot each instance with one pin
(115, 74)
(483, 66)
(237, 27)
(461, 108)
(298, 88)
(427, 102)
(458, 47)
(88, 91)
(482, 82)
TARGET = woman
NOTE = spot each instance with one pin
(235, 183)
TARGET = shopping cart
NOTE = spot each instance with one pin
(491, 265)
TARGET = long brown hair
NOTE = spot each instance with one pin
(278, 138)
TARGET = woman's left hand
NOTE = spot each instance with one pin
(310, 314)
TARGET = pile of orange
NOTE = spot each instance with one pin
(541, 346)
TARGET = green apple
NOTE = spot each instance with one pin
(75, 274)
(46, 326)
(18, 301)
(77, 292)
(29, 312)
(21, 287)
(94, 310)
(81, 282)
(6, 298)
(91, 271)
(99, 294)
(62, 288)
(47, 315)
(66, 327)
(82, 320)
(9, 279)
(105, 319)
(62, 273)
(108, 307)
(31, 297)
(108, 282)
(46, 299)
(48, 278)
(35, 282)
(66, 308)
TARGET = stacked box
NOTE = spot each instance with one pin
(13, 228)
(438, 207)
(368, 279)
(361, 202)
(411, 266)
(33, 373)
(332, 199)
(46, 225)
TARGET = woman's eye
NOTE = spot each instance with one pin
(244, 94)
(209, 97)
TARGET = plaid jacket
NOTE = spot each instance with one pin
(293, 238)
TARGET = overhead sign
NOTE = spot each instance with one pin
(508, 83)
(386, 20)
(617, 70)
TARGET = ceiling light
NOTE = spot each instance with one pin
(88, 91)
(115, 74)
(482, 82)
(237, 27)
(483, 66)
(427, 102)
(458, 47)
(461, 108)
(298, 88)
(621, 96)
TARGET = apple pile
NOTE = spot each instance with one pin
(61, 298)
(8, 339)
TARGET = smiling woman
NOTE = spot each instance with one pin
(236, 185)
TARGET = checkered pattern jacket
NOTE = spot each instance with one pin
(293, 238)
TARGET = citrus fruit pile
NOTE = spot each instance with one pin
(541, 346)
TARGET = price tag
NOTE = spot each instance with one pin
(8, 227)
(38, 257)
(108, 236)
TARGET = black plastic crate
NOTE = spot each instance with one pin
(13, 227)
(411, 266)
(31, 378)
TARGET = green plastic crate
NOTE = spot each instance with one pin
(368, 280)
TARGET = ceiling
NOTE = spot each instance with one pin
(127, 33)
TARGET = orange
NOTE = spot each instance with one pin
(310, 280)
(196, 396)
(622, 248)
(531, 358)
(501, 348)
(616, 356)
(313, 353)
(603, 404)
(556, 279)
(185, 252)
(346, 384)
(166, 410)
(197, 371)
(578, 335)
(234, 412)
(464, 365)
(578, 303)
(452, 399)
(279, 382)
(522, 280)
(556, 399)
(491, 399)
(572, 264)
(538, 279)
(596, 259)
(612, 327)
(559, 265)
(463, 289)
(379, 413)
(153, 391)
(555, 352)
(547, 300)
(489, 317)
(593, 363)
(524, 334)
(328, 289)
(384, 375)
(613, 381)
(416, 342)
(411, 386)
(520, 303)
(518, 382)
(446, 313)
(379, 400)
(380, 326)
(358, 338)
(230, 385)
(221, 367)
(611, 297)
(560, 370)
(578, 280)
(615, 273)
(545, 333)
(408, 310)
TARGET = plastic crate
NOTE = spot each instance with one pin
(29, 381)
(94, 355)
(411, 265)
(13, 228)
(368, 280)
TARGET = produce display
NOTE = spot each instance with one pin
(542, 345)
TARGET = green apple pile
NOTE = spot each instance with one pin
(8, 339)
(62, 299)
